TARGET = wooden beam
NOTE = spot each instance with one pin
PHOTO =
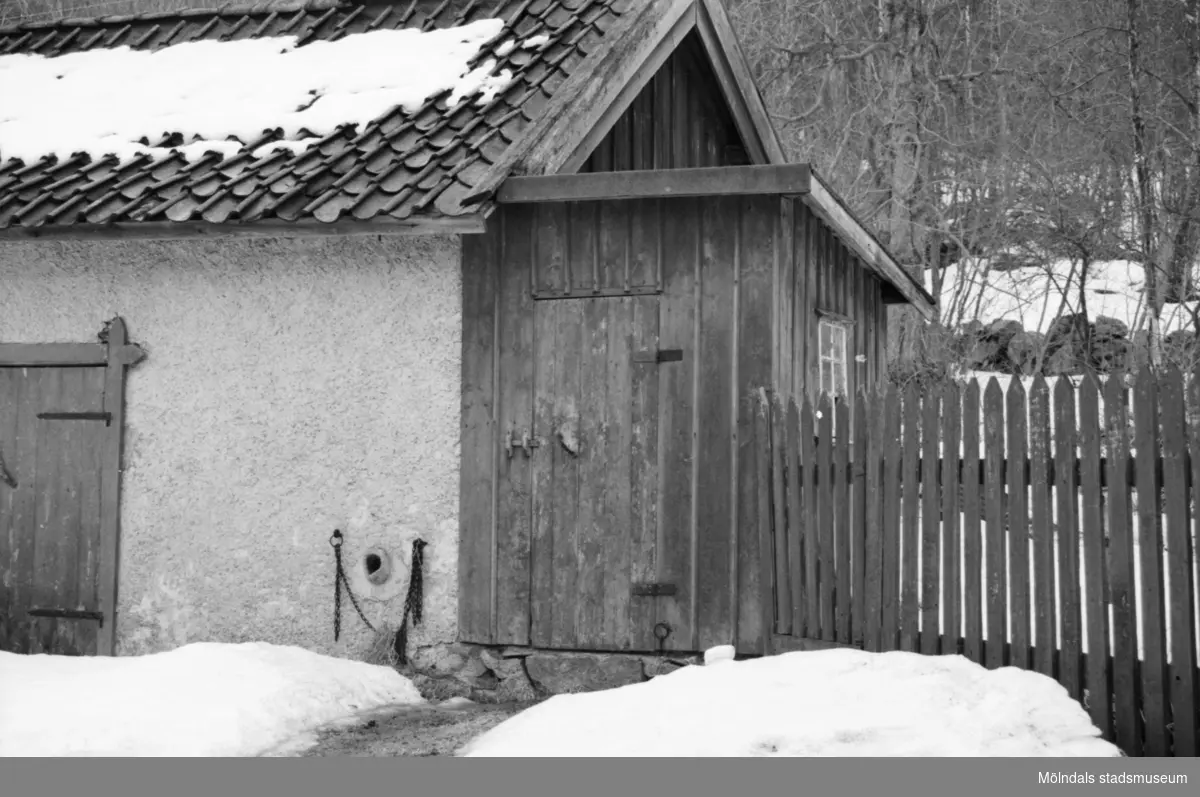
(791, 178)
(741, 91)
(267, 228)
(579, 102)
(827, 205)
(33, 355)
(625, 97)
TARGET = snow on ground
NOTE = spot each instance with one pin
(1034, 295)
(828, 703)
(204, 699)
(103, 101)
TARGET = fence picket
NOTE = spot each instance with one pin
(1120, 572)
(858, 519)
(931, 507)
(997, 593)
(951, 550)
(1178, 545)
(892, 493)
(841, 515)
(971, 530)
(1095, 577)
(909, 544)
(795, 522)
(1018, 520)
(1070, 623)
(1043, 533)
(1149, 536)
(808, 459)
(824, 490)
(783, 598)
(874, 531)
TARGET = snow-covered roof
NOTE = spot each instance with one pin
(329, 110)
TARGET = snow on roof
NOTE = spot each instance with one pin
(107, 101)
(1037, 295)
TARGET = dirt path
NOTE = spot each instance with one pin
(420, 731)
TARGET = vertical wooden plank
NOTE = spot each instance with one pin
(681, 258)
(951, 548)
(1043, 532)
(910, 548)
(12, 580)
(873, 577)
(515, 311)
(480, 264)
(1099, 676)
(21, 462)
(825, 520)
(757, 217)
(90, 470)
(795, 519)
(858, 520)
(548, 262)
(1121, 564)
(1070, 619)
(778, 437)
(812, 248)
(644, 476)
(784, 263)
(1181, 621)
(614, 538)
(801, 308)
(972, 544)
(762, 478)
(551, 472)
(811, 519)
(841, 514)
(1149, 511)
(53, 546)
(997, 593)
(931, 507)
(892, 494)
(1018, 526)
(719, 261)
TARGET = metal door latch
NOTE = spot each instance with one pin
(68, 614)
(653, 589)
(526, 442)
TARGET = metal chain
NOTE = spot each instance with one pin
(339, 581)
(412, 601)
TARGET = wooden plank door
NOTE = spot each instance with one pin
(594, 472)
(52, 441)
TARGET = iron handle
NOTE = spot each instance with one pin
(529, 443)
(5, 476)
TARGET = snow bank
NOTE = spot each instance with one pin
(828, 703)
(205, 699)
(104, 101)
(1034, 295)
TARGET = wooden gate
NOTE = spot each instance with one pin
(61, 417)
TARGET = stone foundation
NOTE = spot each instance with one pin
(515, 674)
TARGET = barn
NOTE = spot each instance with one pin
(502, 278)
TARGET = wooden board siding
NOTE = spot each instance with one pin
(678, 120)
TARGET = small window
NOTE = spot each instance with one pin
(833, 357)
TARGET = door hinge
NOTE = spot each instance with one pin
(77, 416)
(659, 356)
(653, 589)
(68, 614)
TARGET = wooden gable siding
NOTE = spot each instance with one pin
(821, 274)
(679, 120)
(710, 268)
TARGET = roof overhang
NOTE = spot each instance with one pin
(794, 179)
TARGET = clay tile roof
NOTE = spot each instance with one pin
(401, 166)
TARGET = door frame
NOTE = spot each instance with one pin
(115, 354)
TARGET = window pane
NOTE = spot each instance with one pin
(826, 376)
(826, 339)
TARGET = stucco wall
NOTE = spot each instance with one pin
(291, 387)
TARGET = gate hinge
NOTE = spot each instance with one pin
(658, 356)
(77, 416)
(653, 589)
(68, 614)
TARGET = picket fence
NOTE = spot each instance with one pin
(1052, 529)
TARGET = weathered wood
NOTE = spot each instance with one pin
(1044, 589)
(644, 475)
(1018, 525)
(997, 594)
(951, 540)
(858, 518)
(910, 549)
(762, 479)
(479, 442)
(18, 355)
(614, 536)
(1181, 620)
(1120, 574)
(1149, 536)
(796, 530)
(1095, 576)
(808, 468)
(468, 223)
(841, 514)
(931, 507)
(892, 494)
(873, 576)
(826, 576)
(1070, 620)
(677, 182)
(972, 544)
(779, 542)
